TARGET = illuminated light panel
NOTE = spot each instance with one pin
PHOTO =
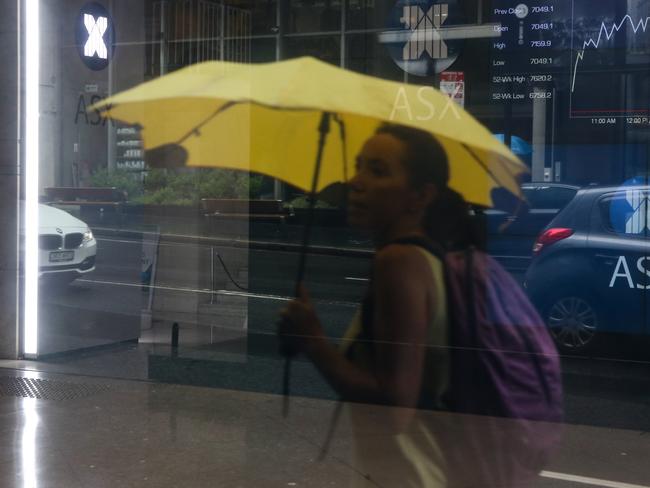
(31, 138)
(95, 43)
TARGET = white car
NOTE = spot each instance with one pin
(67, 247)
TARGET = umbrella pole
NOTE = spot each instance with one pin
(323, 130)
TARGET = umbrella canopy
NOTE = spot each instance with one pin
(263, 118)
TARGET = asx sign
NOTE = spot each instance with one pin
(629, 211)
(629, 215)
(424, 28)
(622, 272)
(637, 220)
(416, 36)
(95, 36)
(95, 45)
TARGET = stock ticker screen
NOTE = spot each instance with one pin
(594, 55)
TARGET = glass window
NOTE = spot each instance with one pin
(314, 15)
(161, 257)
(365, 54)
(547, 196)
(263, 14)
(263, 50)
(326, 48)
(367, 14)
(626, 213)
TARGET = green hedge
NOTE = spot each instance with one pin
(180, 187)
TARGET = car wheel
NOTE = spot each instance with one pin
(573, 320)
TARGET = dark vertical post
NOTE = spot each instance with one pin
(175, 328)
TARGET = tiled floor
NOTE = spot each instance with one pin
(144, 434)
(137, 433)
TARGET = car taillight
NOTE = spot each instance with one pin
(549, 237)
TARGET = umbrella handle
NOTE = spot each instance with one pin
(285, 350)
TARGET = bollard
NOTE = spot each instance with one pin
(175, 339)
(212, 275)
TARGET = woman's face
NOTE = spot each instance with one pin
(380, 192)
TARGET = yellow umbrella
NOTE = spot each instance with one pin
(262, 118)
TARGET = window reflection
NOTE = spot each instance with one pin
(314, 15)
(325, 48)
(366, 54)
(367, 14)
(263, 50)
(262, 12)
(165, 252)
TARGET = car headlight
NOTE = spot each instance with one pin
(88, 236)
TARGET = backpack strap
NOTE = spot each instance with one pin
(424, 243)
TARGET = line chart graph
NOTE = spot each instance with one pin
(640, 25)
(610, 46)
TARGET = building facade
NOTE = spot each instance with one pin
(565, 84)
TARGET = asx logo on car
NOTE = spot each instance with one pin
(629, 210)
(637, 220)
(622, 271)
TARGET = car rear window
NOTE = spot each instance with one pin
(548, 197)
(626, 213)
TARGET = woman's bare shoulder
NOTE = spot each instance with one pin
(401, 260)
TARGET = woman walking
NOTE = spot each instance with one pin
(396, 350)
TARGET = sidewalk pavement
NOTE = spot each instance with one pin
(89, 432)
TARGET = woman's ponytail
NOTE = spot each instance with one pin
(450, 222)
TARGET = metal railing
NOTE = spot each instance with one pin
(185, 32)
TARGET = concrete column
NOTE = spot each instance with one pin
(9, 178)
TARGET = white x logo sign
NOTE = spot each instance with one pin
(95, 42)
(638, 221)
(425, 31)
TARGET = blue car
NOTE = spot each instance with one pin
(590, 272)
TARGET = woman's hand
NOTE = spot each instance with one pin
(299, 327)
